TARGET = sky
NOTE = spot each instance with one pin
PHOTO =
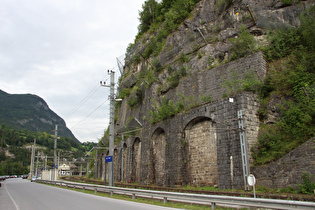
(60, 50)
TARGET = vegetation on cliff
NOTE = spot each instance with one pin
(291, 57)
(161, 19)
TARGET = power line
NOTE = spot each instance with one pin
(89, 114)
(85, 99)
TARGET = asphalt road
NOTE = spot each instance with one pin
(21, 194)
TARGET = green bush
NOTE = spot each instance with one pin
(162, 17)
(167, 109)
(124, 93)
(307, 186)
(287, 2)
(235, 84)
(293, 79)
(243, 45)
(206, 98)
(157, 65)
(135, 97)
(282, 43)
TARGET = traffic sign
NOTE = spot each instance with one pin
(108, 159)
(251, 180)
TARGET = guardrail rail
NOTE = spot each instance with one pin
(212, 200)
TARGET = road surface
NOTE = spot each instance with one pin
(21, 194)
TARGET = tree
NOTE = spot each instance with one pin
(147, 15)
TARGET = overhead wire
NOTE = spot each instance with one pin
(85, 99)
(89, 114)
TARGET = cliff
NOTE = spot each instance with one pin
(194, 94)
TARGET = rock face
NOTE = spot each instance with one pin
(201, 143)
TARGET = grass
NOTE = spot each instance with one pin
(150, 201)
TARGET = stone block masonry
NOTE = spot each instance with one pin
(199, 146)
(288, 170)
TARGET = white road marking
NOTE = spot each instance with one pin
(16, 206)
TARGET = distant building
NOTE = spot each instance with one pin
(67, 169)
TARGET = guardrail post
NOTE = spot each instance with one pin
(212, 205)
(95, 191)
(111, 193)
(133, 196)
(83, 188)
(165, 200)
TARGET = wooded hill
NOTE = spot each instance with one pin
(15, 149)
(25, 117)
(30, 112)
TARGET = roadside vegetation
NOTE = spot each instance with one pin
(148, 201)
(17, 143)
(306, 187)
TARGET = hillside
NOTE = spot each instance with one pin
(199, 71)
(30, 112)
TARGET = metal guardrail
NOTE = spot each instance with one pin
(191, 198)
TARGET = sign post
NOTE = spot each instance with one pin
(107, 160)
(251, 182)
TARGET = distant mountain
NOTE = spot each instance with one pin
(30, 112)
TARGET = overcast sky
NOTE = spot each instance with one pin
(61, 49)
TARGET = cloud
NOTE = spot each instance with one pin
(60, 50)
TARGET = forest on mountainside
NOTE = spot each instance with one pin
(15, 148)
(30, 112)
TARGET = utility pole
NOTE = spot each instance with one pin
(122, 158)
(36, 172)
(32, 159)
(111, 124)
(95, 165)
(55, 151)
(244, 150)
(46, 162)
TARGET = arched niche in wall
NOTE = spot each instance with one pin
(116, 165)
(136, 157)
(201, 151)
(158, 142)
(124, 162)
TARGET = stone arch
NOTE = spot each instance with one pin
(158, 142)
(124, 162)
(136, 157)
(201, 151)
(115, 165)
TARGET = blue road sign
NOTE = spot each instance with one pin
(108, 159)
